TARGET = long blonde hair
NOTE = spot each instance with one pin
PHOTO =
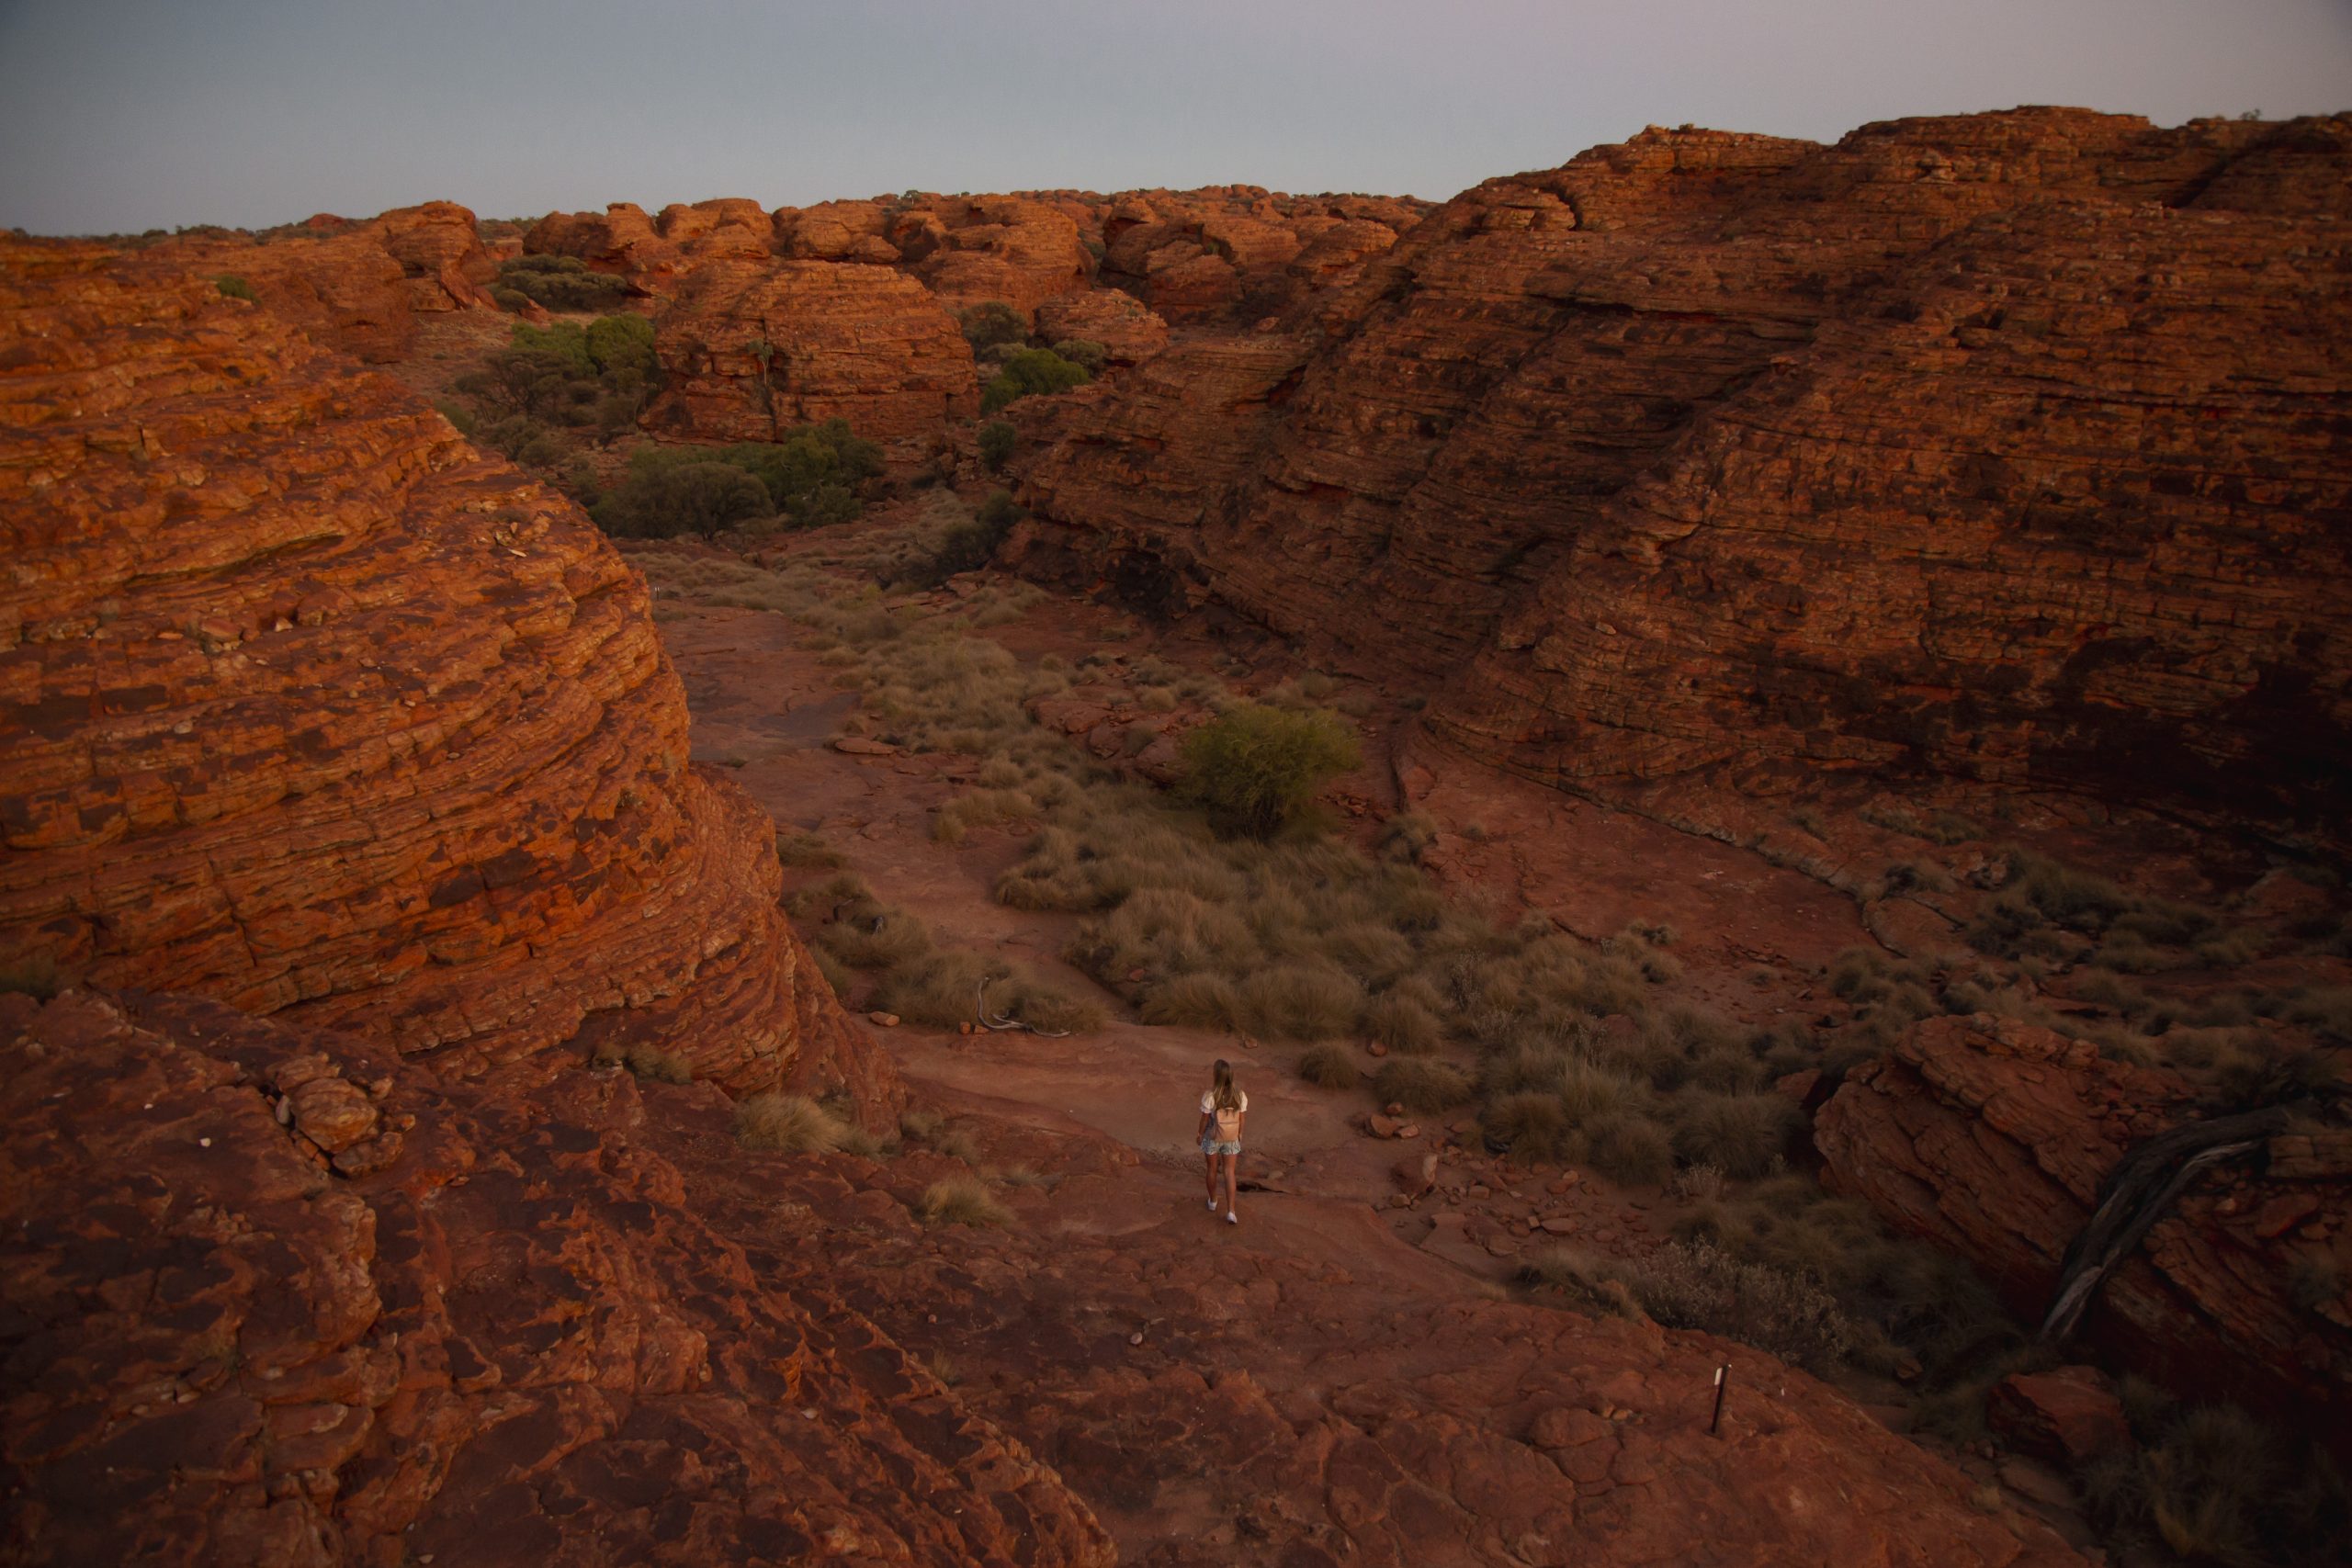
(1225, 1097)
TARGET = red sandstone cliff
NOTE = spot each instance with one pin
(2006, 447)
(308, 706)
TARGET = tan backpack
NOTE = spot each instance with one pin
(1228, 1123)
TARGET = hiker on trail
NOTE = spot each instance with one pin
(1222, 1110)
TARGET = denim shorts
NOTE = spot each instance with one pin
(1210, 1144)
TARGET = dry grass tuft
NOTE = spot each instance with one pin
(787, 1123)
(1329, 1067)
(1419, 1085)
(961, 1201)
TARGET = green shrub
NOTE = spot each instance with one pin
(561, 283)
(234, 287)
(32, 974)
(1419, 1085)
(1031, 371)
(1329, 1067)
(622, 345)
(969, 545)
(508, 298)
(667, 494)
(996, 439)
(1084, 353)
(460, 417)
(1253, 769)
(986, 326)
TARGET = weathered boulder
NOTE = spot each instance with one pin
(2069, 1415)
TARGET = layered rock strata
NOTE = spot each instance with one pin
(308, 706)
(750, 349)
(1990, 1138)
(274, 1296)
(357, 286)
(2005, 447)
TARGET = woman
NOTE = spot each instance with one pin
(1222, 1110)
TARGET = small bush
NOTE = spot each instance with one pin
(1534, 1126)
(997, 440)
(1421, 1085)
(1084, 353)
(33, 974)
(961, 1201)
(561, 283)
(1694, 1285)
(1032, 371)
(1329, 1067)
(787, 1123)
(1629, 1148)
(231, 287)
(1402, 1023)
(1741, 1135)
(1254, 769)
(1299, 1001)
(995, 322)
(1196, 1001)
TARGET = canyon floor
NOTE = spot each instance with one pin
(1149, 1350)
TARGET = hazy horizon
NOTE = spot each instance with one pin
(127, 115)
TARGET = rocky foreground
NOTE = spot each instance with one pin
(345, 796)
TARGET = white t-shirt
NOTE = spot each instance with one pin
(1208, 1101)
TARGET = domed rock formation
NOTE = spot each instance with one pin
(1998, 447)
(750, 349)
(357, 286)
(312, 707)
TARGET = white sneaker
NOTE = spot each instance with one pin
(1212, 1205)
(1231, 1218)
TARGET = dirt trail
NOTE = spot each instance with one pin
(1109, 1117)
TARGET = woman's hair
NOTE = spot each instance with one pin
(1224, 1096)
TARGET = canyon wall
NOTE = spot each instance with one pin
(1992, 1139)
(308, 706)
(2008, 447)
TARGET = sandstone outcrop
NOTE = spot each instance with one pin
(308, 706)
(750, 349)
(1127, 329)
(275, 1296)
(1998, 447)
(1990, 1138)
(357, 287)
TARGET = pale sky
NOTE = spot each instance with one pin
(124, 115)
